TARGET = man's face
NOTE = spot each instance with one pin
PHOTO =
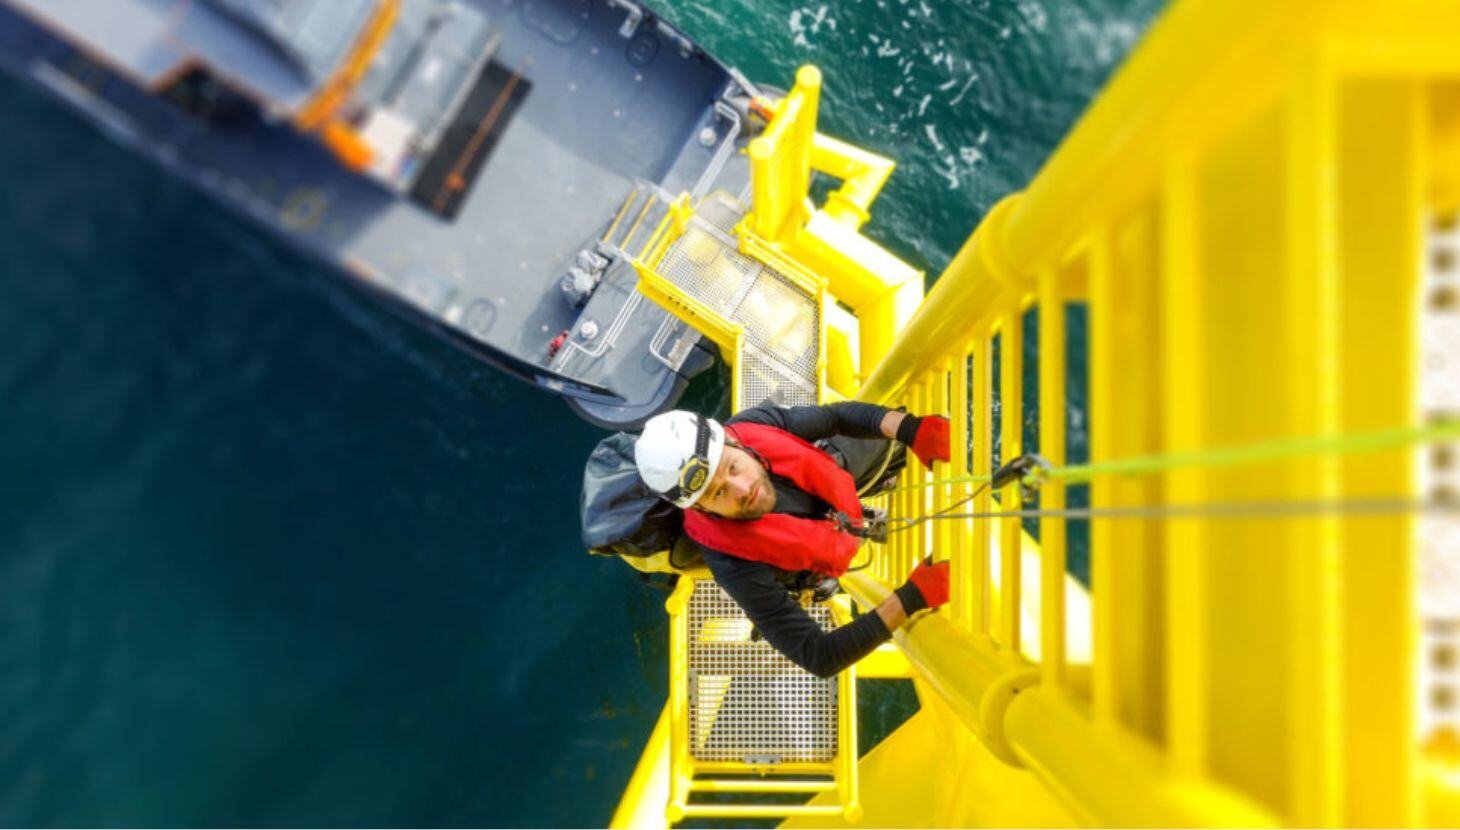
(740, 488)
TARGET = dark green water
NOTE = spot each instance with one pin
(269, 557)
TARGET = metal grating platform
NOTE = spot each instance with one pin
(747, 703)
(782, 322)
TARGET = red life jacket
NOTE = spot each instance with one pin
(780, 539)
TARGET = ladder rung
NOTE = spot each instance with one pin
(755, 785)
(760, 810)
(783, 768)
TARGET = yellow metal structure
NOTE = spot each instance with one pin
(816, 251)
(882, 290)
(1242, 217)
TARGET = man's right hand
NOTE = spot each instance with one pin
(926, 587)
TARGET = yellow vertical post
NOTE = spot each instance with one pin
(780, 158)
(907, 500)
(1052, 493)
(1182, 370)
(897, 508)
(924, 494)
(846, 776)
(1380, 208)
(1103, 688)
(919, 506)
(938, 404)
(679, 764)
(1011, 534)
(767, 211)
(980, 585)
(1241, 188)
(932, 494)
(961, 551)
(808, 86)
(1311, 347)
(1127, 557)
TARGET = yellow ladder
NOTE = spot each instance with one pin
(745, 721)
(1243, 216)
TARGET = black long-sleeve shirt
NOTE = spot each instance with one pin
(761, 589)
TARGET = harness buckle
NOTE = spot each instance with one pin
(873, 526)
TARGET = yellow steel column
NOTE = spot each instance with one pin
(1310, 295)
(961, 551)
(1103, 682)
(1127, 562)
(1182, 370)
(808, 85)
(680, 772)
(846, 735)
(1380, 208)
(767, 210)
(942, 530)
(1011, 441)
(1052, 493)
(1242, 197)
(923, 495)
(642, 805)
(980, 584)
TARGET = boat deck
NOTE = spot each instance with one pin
(602, 97)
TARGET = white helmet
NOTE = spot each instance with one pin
(677, 455)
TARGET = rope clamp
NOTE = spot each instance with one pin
(1029, 470)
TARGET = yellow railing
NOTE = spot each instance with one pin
(1241, 214)
(882, 290)
(780, 159)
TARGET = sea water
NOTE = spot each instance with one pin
(269, 556)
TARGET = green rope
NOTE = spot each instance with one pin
(1374, 441)
(1355, 442)
(934, 482)
(1209, 510)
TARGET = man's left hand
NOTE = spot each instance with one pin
(927, 437)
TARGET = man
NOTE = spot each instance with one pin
(763, 502)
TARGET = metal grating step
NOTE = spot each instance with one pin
(747, 703)
(782, 322)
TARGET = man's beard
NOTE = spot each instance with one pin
(755, 511)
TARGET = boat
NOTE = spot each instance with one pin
(484, 167)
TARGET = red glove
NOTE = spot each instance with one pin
(926, 587)
(926, 436)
